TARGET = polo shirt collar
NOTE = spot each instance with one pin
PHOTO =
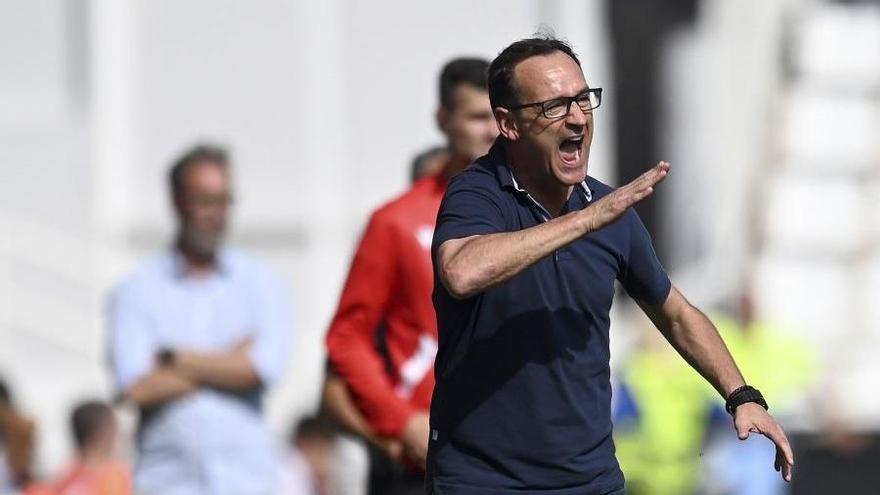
(178, 266)
(505, 176)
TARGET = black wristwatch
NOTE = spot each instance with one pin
(165, 356)
(742, 395)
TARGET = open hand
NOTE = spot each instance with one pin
(613, 206)
(752, 418)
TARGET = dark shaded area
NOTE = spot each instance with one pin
(638, 28)
(389, 477)
(847, 465)
(527, 338)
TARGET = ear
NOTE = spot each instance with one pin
(507, 124)
(442, 118)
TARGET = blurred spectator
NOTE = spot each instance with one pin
(388, 292)
(780, 361)
(16, 444)
(662, 409)
(428, 162)
(95, 469)
(306, 466)
(197, 334)
(782, 366)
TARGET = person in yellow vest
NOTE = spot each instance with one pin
(767, 352)
(784, 366)
(662, 409)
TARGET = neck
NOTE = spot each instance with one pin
(551, 194)
(196, 263)
(455, 164)
(91, 457)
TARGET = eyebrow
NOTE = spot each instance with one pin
(579, 92)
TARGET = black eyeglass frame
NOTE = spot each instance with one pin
(568, 101)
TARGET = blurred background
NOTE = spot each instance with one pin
(769, 112)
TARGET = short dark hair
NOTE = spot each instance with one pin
(421, 161)
(502, 88)
(472, 71)
(5, 394)
(200, 153)
(88, 419)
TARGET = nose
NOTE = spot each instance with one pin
(576, 116)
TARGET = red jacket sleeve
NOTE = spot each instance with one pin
(351, 338)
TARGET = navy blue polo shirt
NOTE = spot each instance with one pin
(523, 396)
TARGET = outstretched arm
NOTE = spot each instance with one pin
(694, 337)
(471, 265)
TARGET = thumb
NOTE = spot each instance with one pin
(742, 431)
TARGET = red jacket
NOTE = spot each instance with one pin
(390, 284)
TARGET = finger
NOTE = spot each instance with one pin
(776, 434)
(659, 172)
(785, 458)
(742, 430)
(662, 168)
(640, 195)
(630, 198)
(784, 467)
(651, 177)
(641, 187)
(644, 181)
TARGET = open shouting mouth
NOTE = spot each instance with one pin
(571, 149)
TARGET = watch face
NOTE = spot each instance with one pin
(744, 395)
(166, 357)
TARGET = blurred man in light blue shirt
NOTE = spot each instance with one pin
(197, 335)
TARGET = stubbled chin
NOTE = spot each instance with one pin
(571, 172)
(571, 175)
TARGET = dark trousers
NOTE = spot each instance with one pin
(388, 477)
(622, 491)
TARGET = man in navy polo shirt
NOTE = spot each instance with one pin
(526, 251)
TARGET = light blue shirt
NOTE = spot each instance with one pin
(210, 442)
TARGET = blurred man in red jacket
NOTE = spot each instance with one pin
(383, 338)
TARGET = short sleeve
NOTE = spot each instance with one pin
(643, 276)
(132, 344)
(469, 208)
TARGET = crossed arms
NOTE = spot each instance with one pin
(257, 359)
(190, 370)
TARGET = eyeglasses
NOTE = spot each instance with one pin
(560, 107)
(210, 200)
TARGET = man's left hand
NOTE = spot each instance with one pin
(752, 418)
